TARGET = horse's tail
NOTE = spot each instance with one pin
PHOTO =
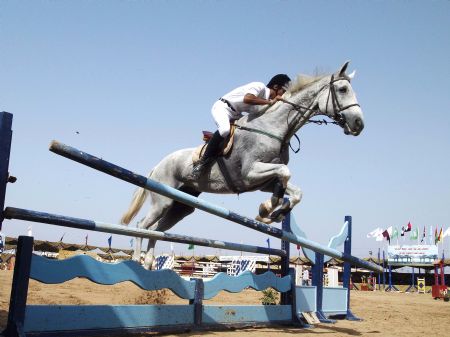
(136, 204)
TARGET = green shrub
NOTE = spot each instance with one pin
(270, 297)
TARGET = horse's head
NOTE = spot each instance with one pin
(338, 101)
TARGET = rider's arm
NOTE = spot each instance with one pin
(255, 100)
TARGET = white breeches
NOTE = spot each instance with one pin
(221, 115)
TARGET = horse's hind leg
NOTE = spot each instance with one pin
(137, 250)
(160, 206)
(174, 214)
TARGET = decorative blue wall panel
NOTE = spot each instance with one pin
(334, 300)
(306, 299)
(238, 283)
(246, 314)
(58, 271)
(92, 317)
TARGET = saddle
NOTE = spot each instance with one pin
(227, 145)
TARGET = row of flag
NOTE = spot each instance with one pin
(392, 232)
(86, 239)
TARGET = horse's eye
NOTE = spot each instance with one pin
(343, 90)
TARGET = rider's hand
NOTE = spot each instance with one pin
(274, 100)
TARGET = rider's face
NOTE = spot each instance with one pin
(279, 90)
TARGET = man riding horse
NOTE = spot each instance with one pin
(230, 108)
(260, 153)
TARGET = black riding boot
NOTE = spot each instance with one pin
(211, 152)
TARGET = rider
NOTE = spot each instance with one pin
(230, 107)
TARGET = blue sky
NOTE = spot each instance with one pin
(137, 79)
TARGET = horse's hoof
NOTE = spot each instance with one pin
(263, 220)
(264, 209)
(278, 217)
(276, 214)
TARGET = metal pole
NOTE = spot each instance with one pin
(170, 192)
(347, 269)
(5, 149)
(65, 221)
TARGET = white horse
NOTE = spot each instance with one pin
(259, 157)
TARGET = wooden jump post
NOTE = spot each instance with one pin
(170, 192)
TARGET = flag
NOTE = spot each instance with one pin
(414, 234)
(446, 233)
(86, 240)
(268, 243)
(439, 238)
(406, 229)
(435, 236)
(423, 235)
(387, 234)
(375, 233)
(298, 247)
(110, 241)
(430, 236)
(62, 237)
(394, 233)
(131, 242)
(191, 246)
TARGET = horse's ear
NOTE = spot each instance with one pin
(352, 74)
(343, 69)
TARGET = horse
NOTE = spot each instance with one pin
(258, 159)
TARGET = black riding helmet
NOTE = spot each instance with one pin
(281, 79)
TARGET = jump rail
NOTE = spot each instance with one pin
(149, 184)
(65, 221)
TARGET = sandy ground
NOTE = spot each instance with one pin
(384, 314)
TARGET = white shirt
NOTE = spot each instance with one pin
(236, 97)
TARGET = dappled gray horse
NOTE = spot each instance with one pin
(259, 157)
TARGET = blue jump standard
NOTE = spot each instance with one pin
(170, 192)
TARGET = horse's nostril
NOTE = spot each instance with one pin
(359, 123)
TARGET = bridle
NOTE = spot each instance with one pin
(337, 109)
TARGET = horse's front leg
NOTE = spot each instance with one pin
(294, 196)
(264, 172)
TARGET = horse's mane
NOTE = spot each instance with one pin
(301, 82)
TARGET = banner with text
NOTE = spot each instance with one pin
(417, 254)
